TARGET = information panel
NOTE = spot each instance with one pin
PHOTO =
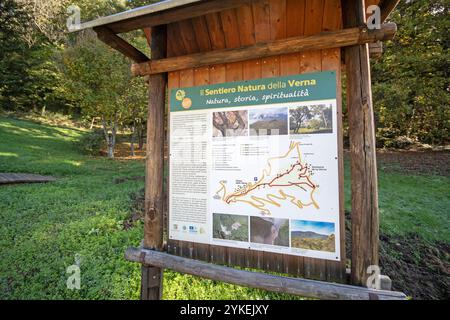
(254, 164)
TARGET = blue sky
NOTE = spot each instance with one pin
(326, 228)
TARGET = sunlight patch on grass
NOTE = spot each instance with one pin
(8, 154)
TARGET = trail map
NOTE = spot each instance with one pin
(254, 165)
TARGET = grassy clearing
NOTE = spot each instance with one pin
(43, 226)
(411, 204)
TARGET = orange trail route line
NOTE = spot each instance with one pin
(260, 203)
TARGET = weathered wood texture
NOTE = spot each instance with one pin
(297, 286)
(387, 6)
(13, 178)
(151, 284)
(376, 49)
(175, 14)
(325, 40)
(365, 221)
(262, 21)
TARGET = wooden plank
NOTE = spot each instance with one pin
(277, 19)
(271, 68)
(148, 35)
(233, 72)
(251, 69)
(244, 17)
(134, 13)
(326, 40)
(14, 178)
(331, 61)
(215, 31)
(365, 221)
(261, 20)
(119, 44)
(151, 284)
(296, 286)
(174, 46)
(386, 7)
(175, 14)
(187, 36)
(295, 18)
(230, 28)
(312, 62)
(290, 65)
(376, 49)
(201, 33)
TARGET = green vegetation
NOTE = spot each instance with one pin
(44, 226)
(45, 69)
(411, 204)
(411, 80)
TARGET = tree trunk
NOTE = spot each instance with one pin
(133, 133)
(110, 137)
(141, 135)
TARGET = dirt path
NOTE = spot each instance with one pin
(415, 162)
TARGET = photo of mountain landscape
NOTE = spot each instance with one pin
(313, 235)
(268, 121)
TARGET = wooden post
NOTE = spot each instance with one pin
(151, 282)
(365, 224)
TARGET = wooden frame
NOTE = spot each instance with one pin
(224, 48)
(296, 286)
(326, 40)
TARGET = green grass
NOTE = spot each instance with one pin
(44, 226)
(411, 204)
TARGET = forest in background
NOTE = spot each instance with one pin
(45, 69)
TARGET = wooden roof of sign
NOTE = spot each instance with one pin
(191, 20)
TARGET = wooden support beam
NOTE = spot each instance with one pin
(376, 49)
(148, 35)
(116, 42)
(365, 224)
(175, 14)
(386, 7)
(151, 283)
(325, 40)
(298, 286)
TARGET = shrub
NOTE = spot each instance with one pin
(93, 142)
